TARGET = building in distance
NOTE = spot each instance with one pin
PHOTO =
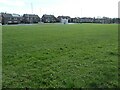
(48, 18)
(30, 18)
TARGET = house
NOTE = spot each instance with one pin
(10, 18)
(75, 20)
(6, 18)
(30, 18)
(104, 20)
(107, 20)
(59, 18)
(48, 18)
(16, 18)
(86, 20)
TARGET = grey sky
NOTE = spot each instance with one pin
(73, 8)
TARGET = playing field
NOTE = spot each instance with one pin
(56, 55)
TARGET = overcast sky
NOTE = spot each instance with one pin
(73, 8)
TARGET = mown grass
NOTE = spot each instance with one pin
(56, 55)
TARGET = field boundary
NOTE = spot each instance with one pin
(0, 56)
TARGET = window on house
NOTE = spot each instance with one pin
(15, 18)
(10, 18)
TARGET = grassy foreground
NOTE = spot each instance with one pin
(56, 55)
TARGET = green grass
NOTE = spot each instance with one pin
(56, 55)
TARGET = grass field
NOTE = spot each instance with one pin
(56, 55)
